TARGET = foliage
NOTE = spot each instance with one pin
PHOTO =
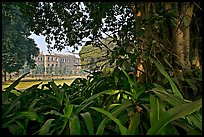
(110, 102)
(103, 104)
(96, 57)
(139, 30)
(17, 47)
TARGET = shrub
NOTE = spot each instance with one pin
(102, 104)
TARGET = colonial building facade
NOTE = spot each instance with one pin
(56, 64)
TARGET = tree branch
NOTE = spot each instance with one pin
(105, 45)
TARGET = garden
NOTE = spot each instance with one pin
(142, 59)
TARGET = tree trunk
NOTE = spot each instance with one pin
(179, 45)
(188, 9)
(177, 35)
(4, 75)
(196, 61)
(181, 33)
(137, 27)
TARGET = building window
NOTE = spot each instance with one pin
(56, 65)
(48, 58)
(52, 65)
(52, 58)
(48, 64)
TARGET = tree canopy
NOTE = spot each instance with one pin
(167, 32)
(143, 27)
(17, 47)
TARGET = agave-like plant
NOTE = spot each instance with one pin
(101, 105)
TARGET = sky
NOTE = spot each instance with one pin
(42, 45)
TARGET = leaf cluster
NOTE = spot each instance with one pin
(17, 47)
(113, 104)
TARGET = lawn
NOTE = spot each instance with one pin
(27, 84)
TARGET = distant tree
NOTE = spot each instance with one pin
(57, 71)
(96, 57)
(25, 69)
(70, 72)
(41, 70)
(64, 70)
(33, 72)
(60, 71)
(49, 70)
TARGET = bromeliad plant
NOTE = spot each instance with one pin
(101, 105)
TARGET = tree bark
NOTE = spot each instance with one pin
(178, 37)
(196, 61)
(188, 9)
(137, 17)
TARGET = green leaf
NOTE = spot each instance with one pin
(30, 115)
(110, 92)
(13, 104)
(53, 112)
(32, 104)
(186, 21)
(195, 119)
(173, 21)
(133, 126)
(89, 122)
(74, 125)
(44, 130)
(115, 113)
(170, 98)
(132, 84)
(5, 125)
(169, 129)
(16, 130)
(135, 90)
(64, 125)
(154, 110)
(173, 114)
(163, 72)
(32, 87)
(15, 83)
(6, 93)
(173, 100)
(68, 111)
(123, 129)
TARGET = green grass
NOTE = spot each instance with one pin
(27, 84)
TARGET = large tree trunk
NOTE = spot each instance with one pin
(181, 33)
(188, 9)
(137, 16)
(177, 35)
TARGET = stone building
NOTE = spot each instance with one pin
(55, 64)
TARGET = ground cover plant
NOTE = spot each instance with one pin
(111, 104)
